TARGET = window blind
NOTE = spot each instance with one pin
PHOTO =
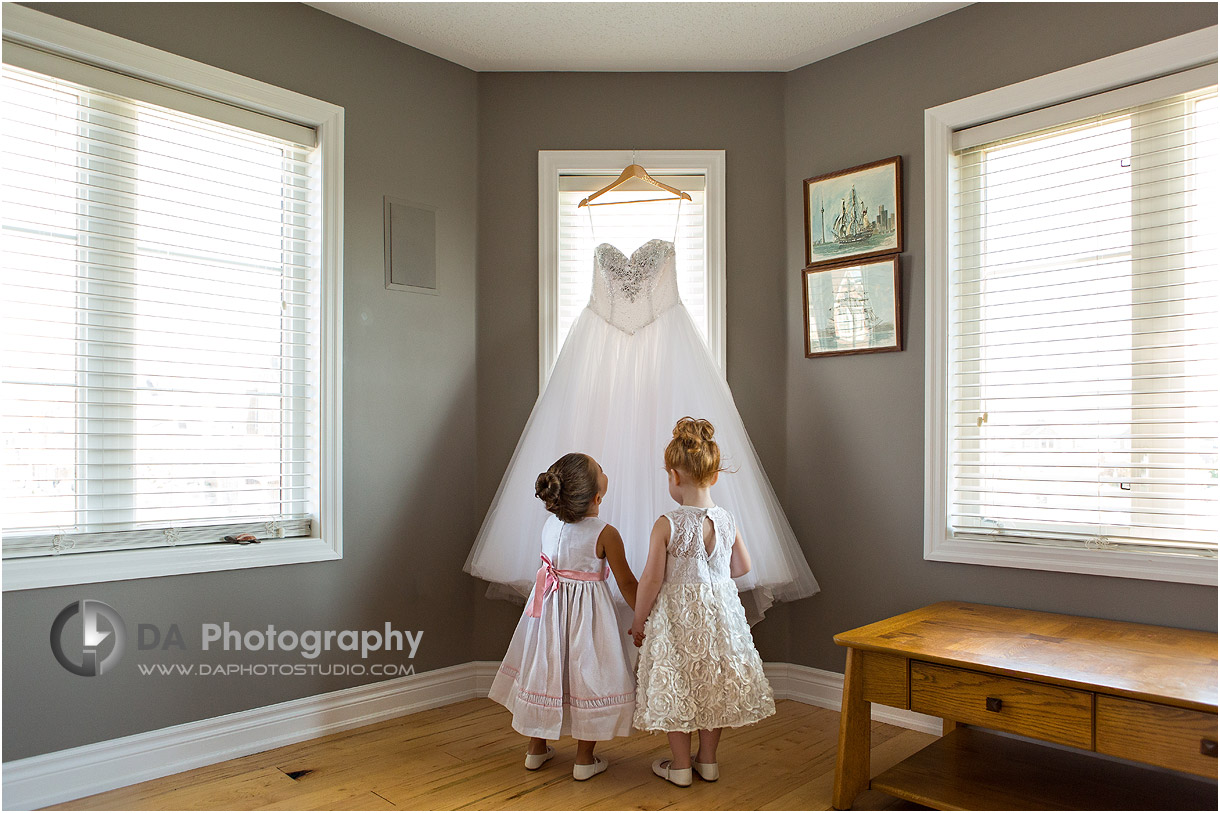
(160, 323)
(629, 227)
(1085, 314)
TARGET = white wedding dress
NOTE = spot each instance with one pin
(632, 365)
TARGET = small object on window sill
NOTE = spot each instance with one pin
(242, 539)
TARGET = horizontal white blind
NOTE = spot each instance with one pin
(159, 305)
(1085, 316)
(1077, 110)
(627, 227)
(142, 90)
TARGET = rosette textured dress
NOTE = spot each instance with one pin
(569, 668)
(631, 366)
(698, 666)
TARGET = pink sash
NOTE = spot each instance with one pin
(548, 580)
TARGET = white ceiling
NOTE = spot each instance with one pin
(675, 36)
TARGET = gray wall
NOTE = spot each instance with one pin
(409, 392)
(522, 113)
(842, 438)
(855, 423)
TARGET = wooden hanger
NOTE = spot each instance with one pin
(634, 171)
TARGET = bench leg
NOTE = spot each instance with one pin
(852, 769)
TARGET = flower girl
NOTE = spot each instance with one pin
(698, 670)
(568, 667)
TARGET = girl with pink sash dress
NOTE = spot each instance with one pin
(569, 669)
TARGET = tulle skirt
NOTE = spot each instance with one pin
(616, 396)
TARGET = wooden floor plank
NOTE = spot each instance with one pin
(467, 757)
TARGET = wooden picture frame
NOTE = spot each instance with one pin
(863, 224)
(853, 307)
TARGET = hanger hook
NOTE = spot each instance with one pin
(633, 155)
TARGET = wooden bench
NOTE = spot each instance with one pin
(1138, 692)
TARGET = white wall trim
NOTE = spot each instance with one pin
(553, 163)
(818, 687)
(1140, 64)
(49, 33)
(52, 34)
(63, 776)
(88, 568)
(75, 772)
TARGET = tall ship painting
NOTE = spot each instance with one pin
(854, 214)
(852, 225)
(852, 307)
(852, 321)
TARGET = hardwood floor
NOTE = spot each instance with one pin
(467, 757)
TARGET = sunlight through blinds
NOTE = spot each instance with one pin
(1085, 315)
(159, 304)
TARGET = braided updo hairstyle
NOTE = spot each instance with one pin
(692, 450)
(568, 487)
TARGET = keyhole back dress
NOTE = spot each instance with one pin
(698, 667)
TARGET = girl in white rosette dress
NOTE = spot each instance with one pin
(698, 669)
(568, 669)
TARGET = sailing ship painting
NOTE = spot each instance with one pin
(852, 308)
(855, 213)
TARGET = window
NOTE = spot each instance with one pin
(1074, 328)
(566, 239)
(168, 305)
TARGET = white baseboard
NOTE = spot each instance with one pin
(817, 687)
(62, 776)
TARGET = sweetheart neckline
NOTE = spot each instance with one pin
(631, 256)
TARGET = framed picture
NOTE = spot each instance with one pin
(854, 213)
(853, 308)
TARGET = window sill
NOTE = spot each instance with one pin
(90, 568)
(1121, 564)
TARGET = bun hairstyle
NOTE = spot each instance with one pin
(568, 487)
(693, 451)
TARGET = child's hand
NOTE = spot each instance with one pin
(637, 636)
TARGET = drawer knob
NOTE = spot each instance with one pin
(994, 704)
(1207, 748)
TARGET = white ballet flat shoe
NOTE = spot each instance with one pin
(582, 772)
(679, 776)
(708, 771)
(535, 761)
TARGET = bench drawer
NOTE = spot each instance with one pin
(1179, 739)
(1024, 707)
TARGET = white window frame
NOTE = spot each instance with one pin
(1141, 64)
(554, 163)
(51, 34)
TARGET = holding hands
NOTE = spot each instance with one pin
(637, 635)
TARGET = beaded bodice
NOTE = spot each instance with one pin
(688, 561)
(630, 292)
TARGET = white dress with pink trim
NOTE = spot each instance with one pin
(570, 669)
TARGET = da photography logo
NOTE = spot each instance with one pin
(100, 623)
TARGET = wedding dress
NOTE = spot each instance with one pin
(632, 365)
